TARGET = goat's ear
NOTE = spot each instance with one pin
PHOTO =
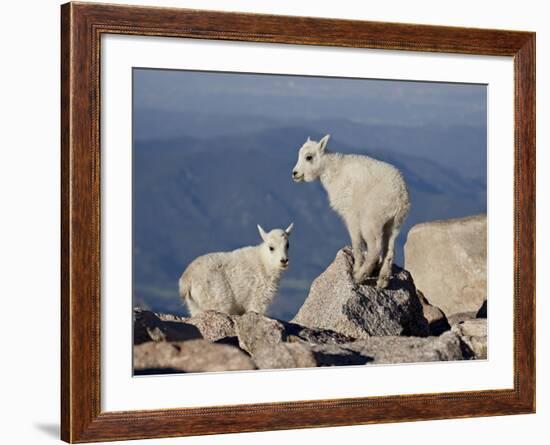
(262, 232)
(323, 143)
(289, 228)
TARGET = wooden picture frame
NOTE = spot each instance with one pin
(82, 26)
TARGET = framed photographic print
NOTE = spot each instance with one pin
(274, 222)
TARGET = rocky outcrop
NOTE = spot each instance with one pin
(297, 332)
(188, 356)
(335, 302)
(259, 342)
(276, 344)
(448, 260)
(447, 347)
(265, 343)
(148, 326)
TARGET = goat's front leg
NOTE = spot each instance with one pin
(373, 240)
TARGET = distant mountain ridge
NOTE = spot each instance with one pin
(458, 146)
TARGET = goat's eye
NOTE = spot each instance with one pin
(271, 249)
(309, 158)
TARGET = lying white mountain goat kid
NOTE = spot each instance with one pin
(370, 196)
(236, 282)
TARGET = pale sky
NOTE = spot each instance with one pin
(303, 97)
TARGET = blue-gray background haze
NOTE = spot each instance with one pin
(213, 154)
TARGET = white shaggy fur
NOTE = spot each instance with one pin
(246, 279)
(370, 195)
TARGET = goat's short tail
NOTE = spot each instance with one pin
(185, 287)
(185, 284)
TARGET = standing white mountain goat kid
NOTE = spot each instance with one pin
(243, 280)
(371, 197)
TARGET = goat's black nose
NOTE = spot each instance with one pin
(294, 173)
(284, 261)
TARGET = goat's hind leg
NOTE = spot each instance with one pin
(387, 261)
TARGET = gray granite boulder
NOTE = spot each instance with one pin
(473, 333)
(188, 356)
(335, 302)
(210, 325)
(373, 350)
(284, 355)
(149, 326)
(314, 336)
(448, 260)
(447, 347)
(213, 325)
(277, 344)
(257, 332)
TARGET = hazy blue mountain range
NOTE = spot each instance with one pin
(203, 187)
(457, 146)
